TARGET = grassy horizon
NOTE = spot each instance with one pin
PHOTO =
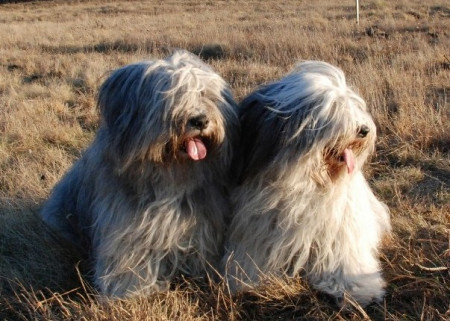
(55, 54)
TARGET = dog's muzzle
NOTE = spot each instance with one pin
(196, 146)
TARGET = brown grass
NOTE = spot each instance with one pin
(54, 55)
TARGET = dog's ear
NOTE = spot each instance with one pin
(261, 129)
(118, 103)
(269, 125)
(119, 97)
(132, 109)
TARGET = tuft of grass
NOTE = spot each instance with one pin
(397, 58)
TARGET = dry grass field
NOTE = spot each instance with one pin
(55, 54)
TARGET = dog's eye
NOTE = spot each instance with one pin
(363, 131)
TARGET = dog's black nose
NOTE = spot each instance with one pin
(363, 131)
(199, 122)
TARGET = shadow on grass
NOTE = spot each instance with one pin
(103, 47)
(32, 257)
(39, 280)
(212, 51)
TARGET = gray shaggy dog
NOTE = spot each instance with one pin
(303, 205)
(147, 200)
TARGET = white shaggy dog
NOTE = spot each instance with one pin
(147, 200)
(303, 205)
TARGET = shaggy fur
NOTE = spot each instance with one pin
(303, 205)
(147, 200)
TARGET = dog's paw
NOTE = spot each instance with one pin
(362, 289)
(368, 291)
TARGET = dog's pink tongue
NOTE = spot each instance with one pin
(196, 149)
(349, 159)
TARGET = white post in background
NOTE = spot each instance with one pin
(357, 11)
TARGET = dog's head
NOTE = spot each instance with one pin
(165, 111)
(310, 118)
